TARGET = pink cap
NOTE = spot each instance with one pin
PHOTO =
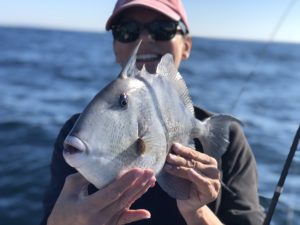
(171, 8)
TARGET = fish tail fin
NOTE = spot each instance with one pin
(213, 134)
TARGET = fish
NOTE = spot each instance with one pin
(133, 122)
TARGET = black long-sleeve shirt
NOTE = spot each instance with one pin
(237, 202)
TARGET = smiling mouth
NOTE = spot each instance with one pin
(148, 57)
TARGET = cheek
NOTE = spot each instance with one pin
(177, 54)
(122, 52)
(175, 48)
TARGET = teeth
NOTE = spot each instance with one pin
(146, 57)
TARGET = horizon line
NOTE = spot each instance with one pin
(88, 30)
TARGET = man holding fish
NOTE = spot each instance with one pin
(202, 186)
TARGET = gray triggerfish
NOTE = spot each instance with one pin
(133, 122)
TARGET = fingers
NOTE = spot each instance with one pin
(123, 190)
(136, 190)
(136, 194)
(188, 158)
(198, 168)
(125, 215)
(119, 208)
(114, 191)
(130, 216)
(109, 205)
(75, 184)
(186, 152)
(202, 181)
(207, 187)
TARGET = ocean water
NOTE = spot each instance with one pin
(47, 75)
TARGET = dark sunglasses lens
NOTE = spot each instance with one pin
(159, 30)
(126, 32)
(163, 30)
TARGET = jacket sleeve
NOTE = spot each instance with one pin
(239, 197)
(59, 171)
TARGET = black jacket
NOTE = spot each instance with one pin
(237, 203)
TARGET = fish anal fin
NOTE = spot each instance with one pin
(174, 186)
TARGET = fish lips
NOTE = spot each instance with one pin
(75, 151)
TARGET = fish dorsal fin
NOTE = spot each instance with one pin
(130, 67)
(166, 67)
(144, 70)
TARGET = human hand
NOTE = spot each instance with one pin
(110, 205)
(198, 168)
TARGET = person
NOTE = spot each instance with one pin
(223, 191)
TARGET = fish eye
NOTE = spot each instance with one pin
(123, 100)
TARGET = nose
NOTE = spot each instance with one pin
(146, 36)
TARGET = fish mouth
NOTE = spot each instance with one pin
(73, 145)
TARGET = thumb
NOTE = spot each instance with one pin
(75, 184)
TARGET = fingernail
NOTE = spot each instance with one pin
(171, 157)
(176, 146)
(148, 174)
(153, 184)
(148, 216)
(150, 183)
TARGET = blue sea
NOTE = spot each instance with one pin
(48, 75)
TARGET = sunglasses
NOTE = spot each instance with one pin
(160, 30)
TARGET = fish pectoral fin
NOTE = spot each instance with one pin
(141, 146)
(148, 142)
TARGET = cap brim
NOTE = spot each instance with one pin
(158, 7)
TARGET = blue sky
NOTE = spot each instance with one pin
(253, 19)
